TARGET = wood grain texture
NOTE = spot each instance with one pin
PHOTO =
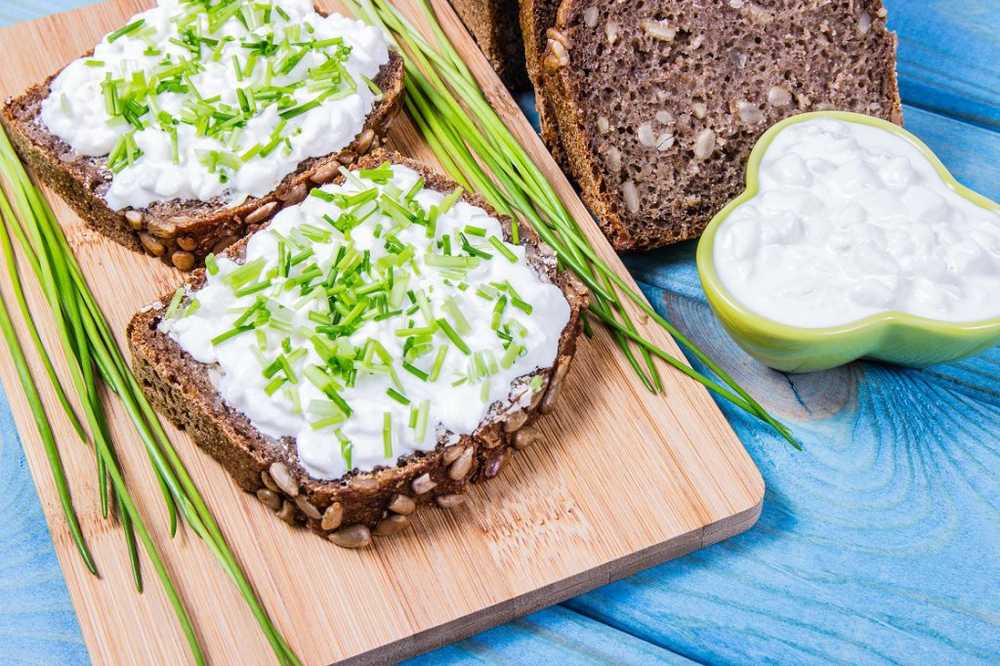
(948, 57)
(751, 598)
(626, 479)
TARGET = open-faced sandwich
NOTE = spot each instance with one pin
(377, 346)
(195, 122)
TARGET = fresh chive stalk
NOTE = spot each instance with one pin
(476, 148)
(93, 357)
(37, 408)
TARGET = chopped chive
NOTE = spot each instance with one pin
(245, 274)
(475, 231)
(381, 175)
(327, 422)
(503, 249)
(450, 200)
(387, 435)
(125, 30)
(254, 288)
(438, 363)
(512, 353)
(415, 371)
(300, 109)
(521, 305)
(372, 86)
(452, 335)
(286, 367)
(175, 303)
(423, 410)
(498, 313)
(272, 386)
(461, 323)
(397, 396)
(414, 189)
(231, 333)
(445, 261)
(416, 330)
(487, 292)
(346, 449)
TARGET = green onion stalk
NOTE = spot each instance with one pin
(93, 357)
(478, 150)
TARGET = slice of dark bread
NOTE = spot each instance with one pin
(493, 23)
(537, 18)
(179, 232)
(347, 510)
(660, 102)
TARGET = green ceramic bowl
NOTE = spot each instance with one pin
(890, 336)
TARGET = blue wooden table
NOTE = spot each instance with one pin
(879, 543)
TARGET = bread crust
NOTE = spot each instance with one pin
(493, 23)
(180, 388)
(567, 91)
(179, 232)
(536, 18)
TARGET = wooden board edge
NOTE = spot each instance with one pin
(525, 604)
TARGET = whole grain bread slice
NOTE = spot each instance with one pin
(180, 232)
(349, 510)
(493, 24)
(660, 102)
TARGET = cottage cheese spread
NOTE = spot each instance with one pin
(852, 220)
(445, 295)
(190, 102)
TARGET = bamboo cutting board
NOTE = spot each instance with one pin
(625, 479)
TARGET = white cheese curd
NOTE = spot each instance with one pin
(852, 220)
(456, 401)
(279, 48)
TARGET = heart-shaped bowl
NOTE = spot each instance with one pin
(893, 336)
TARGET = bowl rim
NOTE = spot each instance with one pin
(705, 256)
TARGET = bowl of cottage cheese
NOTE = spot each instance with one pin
(852, 240)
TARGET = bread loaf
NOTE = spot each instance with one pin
(659, 103)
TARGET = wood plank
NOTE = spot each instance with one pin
(948, 57)
(626, 479)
